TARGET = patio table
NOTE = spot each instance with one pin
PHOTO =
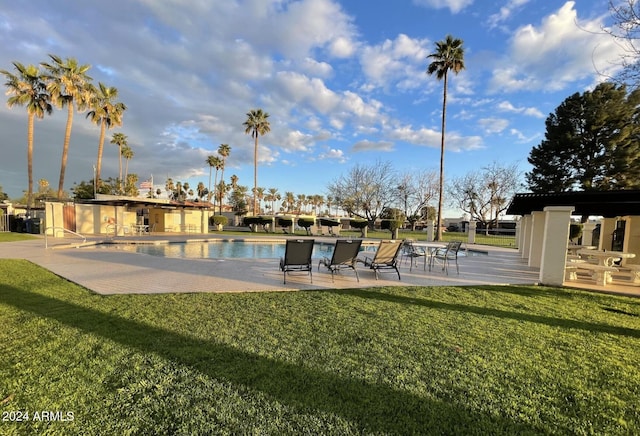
(604, 257)
(430, 248)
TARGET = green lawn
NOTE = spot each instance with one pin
(13, 237)
(398, 360)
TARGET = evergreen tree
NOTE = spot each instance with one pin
(590, 143)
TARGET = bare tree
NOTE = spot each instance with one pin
(366, 190)
(485, 193)
(626, 32)
(415, 192)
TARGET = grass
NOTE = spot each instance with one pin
(397, 360)
(13, 237)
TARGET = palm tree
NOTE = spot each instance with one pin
(67, 83)
(273, 196)
(27, 88)
(106, 113)
(449, 55)
(119, 139)
(256, 124)
(212, 162)
(260, 196)
(224, 150)
(128, 154)
(289, 199)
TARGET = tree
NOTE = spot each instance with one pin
(626, 32)
(224, 150)
(484, 194)
(67, 83)
(27, 88)
(106, 113)
(415, 192)
(366, 190)
(449, 56)
(212, 161)
(119, 140)
(127, 153)
(256, 125)
(590, 143)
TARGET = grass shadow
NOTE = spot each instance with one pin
(498, 313)
(373, 408)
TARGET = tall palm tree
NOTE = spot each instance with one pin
(127, 153)
(273, 196)
(211, 161)
(224, 150)
(106, 113)
(449, 56)
(67, 83)
(257, 125)
(120, 140)
(27, 88)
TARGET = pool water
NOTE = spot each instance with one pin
(223, 250)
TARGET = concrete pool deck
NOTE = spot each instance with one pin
(110, 270)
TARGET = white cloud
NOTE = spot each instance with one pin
(333, 154)
(454, 6)
(506, 106)
(400, 62)
(431, 138)
(367, 145)
(561, 50)
(506, 12)
(493, 125)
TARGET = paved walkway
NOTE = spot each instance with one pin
(107, 269)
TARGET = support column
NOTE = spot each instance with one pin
(526, 236)
(472, 232)
(537, 235)
(554, 246)
(430, 229)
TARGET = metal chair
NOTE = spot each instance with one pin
(446, 255)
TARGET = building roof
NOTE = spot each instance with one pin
(594, 203)
(116, 200)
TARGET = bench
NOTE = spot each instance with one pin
(599, 273)
(630, 271)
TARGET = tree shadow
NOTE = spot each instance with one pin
(487, 311)
(373, 408)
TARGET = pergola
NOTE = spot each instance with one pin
(544, 227)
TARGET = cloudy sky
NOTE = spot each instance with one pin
(344, 82)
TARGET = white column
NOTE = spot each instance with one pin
(554, 246)
(526, 236)
(472, 232)
(587, 233)
(430, 230)
(537, 235)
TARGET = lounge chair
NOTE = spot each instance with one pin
(345, 255)
(297, 257)
(445, 255)
(386, 257)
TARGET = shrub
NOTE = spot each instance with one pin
(216, 220)
(358, 223)
(285, 222)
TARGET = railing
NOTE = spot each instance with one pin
(54, 229)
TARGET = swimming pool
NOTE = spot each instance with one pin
(222, 250)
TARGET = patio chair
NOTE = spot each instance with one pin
(297, 257)
(386, 257)
(345, 255)
(412, 252)
(446, 255)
